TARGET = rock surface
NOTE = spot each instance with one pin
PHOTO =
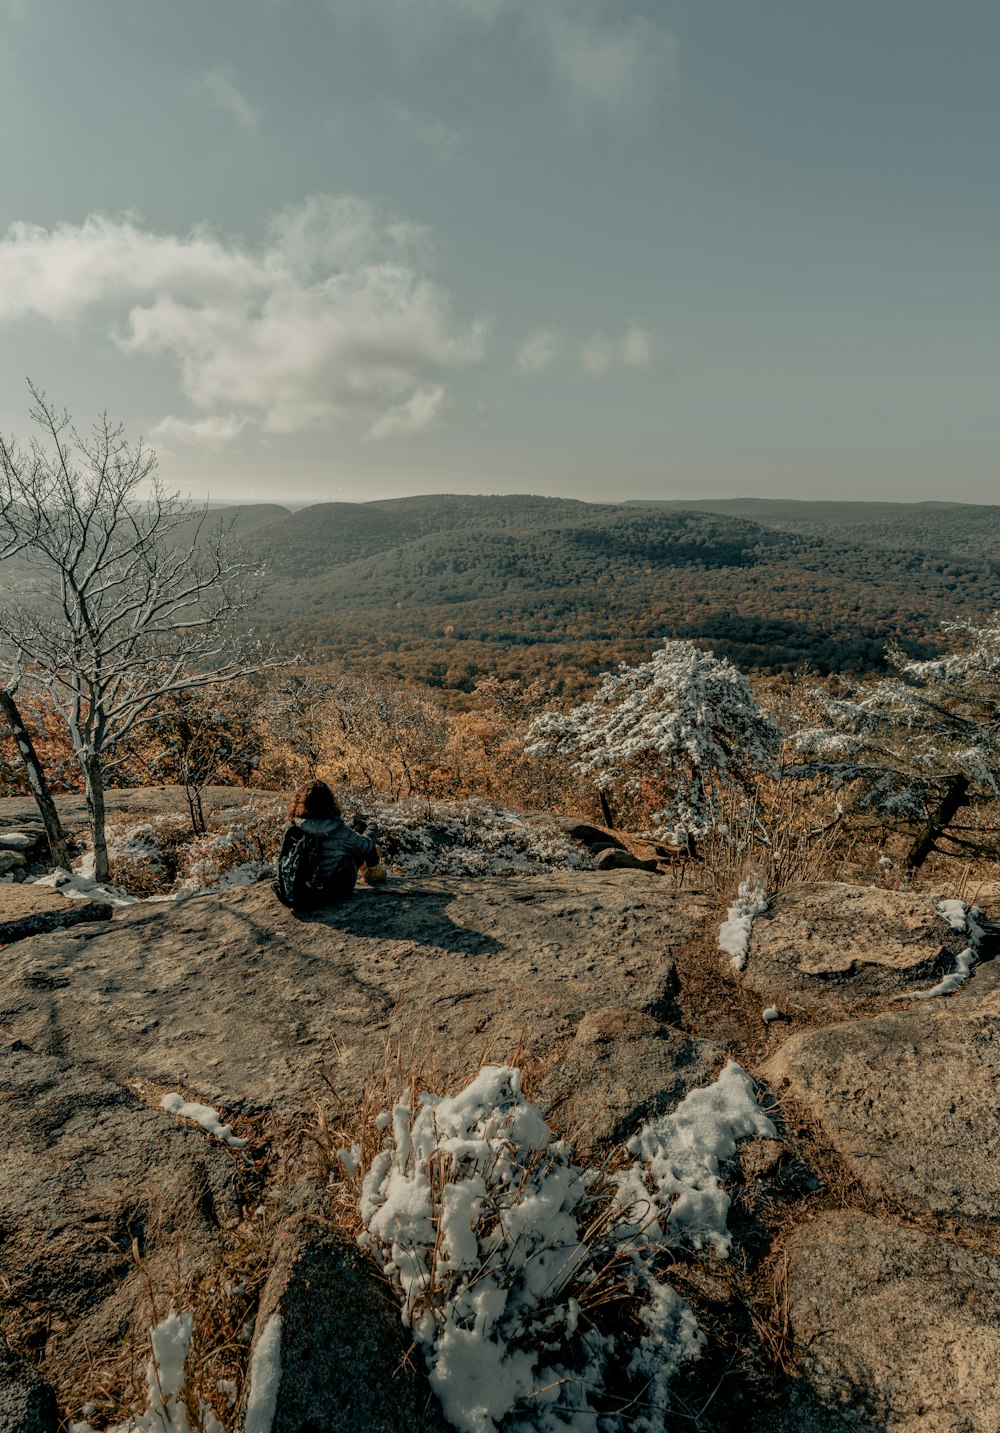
(593, 982)
(344, 1363)
(27, 1402)
(895, 1330)
(837, 943)
(622, 1067)
(34, 910)
(241, 1003)
(98, 1195)
(909, 1100)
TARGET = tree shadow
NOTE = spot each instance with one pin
(411, 914)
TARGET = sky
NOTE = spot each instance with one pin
(345, 249)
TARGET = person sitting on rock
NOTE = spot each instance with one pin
(321, 854)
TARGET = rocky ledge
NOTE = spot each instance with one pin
(866, 1233)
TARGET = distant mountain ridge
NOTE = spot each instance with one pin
(446, 587)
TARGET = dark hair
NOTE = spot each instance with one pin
(314, 801)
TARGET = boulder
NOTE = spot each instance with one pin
(592, 836)
(622, 1068)
(33, 910)
(892, 1328)
(837, 943)
(11, 862)
(345, 1366)
(27, 1402)
(908, 1099)
(614, 859)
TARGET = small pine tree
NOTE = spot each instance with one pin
(686, 722)
(916, 747)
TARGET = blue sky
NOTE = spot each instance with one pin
(595, 247)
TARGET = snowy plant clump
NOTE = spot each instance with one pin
(511, 1260)
(471, 838)
(166, 1409)
(734, 933)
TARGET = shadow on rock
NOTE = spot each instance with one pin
(416, 915)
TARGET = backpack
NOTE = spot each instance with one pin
(298, 885)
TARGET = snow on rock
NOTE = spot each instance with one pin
(734, 933)
(202, 1115)
(166, 1409)
(679, 1157)
(81, 886)
(964, 919)
(487, 1229)
(265, 1378)
(771, 1012)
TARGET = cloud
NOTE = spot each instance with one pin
(636, 347)
(422, 410)
(220, 84)
(597, 355)
(596, 59)
(328, 321)
(633, 350)
(538, 351)
(217, 432)
(427, 129)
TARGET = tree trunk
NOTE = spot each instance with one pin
(606, 811)
(39, 787)
(955, 797)
(93, 780)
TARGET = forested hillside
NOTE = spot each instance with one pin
(445, 588)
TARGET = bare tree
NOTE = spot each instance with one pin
(128, 595)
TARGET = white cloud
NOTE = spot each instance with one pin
(596, 59)
(633, 350)
(422, 410)
(538, 351)
(597, 356)
(329, 320)
(216, 432)
(223, 88)
(636, 347)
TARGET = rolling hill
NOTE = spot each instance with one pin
(444, 588)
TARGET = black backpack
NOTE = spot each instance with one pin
(299, 885)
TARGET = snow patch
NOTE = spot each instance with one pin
(734, 933)
(265, 1378)
(203, 1115)
(81, 886)
(680, 1154)
(964, 919)
(771, 1013)
(166, 1409)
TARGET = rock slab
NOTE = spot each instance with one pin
(344, 1351)
(27, 1402)
(893, 1329)
(36, 910)
(909, 1101)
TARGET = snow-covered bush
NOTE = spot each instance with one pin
(145, 855)
(915, 748)
(534, 1287)
(681, 729)
(249, 843)
(470, 838)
